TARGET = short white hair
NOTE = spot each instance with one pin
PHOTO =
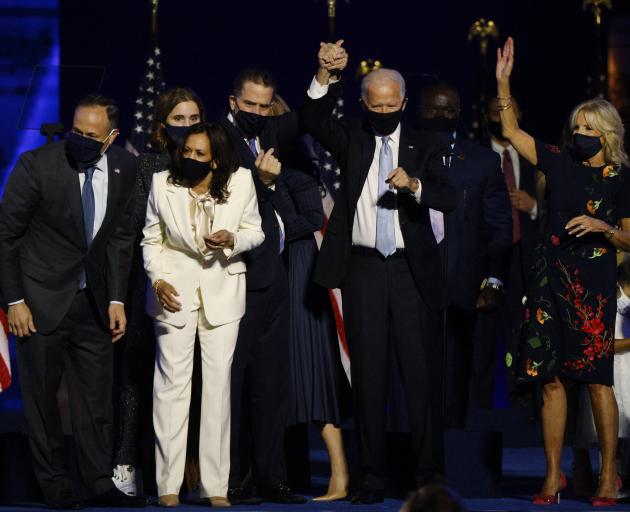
(383, 76)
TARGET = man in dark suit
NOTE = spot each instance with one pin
(379, 249)
(260, 369)
(65, 251)
(477, 240)
(527, 211)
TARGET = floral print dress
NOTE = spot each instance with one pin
(569, 310)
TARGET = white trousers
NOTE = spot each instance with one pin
(171, 401)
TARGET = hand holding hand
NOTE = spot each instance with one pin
(222, 239)
(268, 167)
(20, 320)
(166, 295)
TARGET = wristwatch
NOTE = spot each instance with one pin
(610, 233)
(491, 284)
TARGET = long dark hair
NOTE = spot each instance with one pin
(223, 162)
(167, 101)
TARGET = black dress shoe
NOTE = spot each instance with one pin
(280, 494)
(367, 497)
(69, 503)
(118, 499)
(241, 496)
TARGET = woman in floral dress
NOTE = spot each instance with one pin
(571, 299)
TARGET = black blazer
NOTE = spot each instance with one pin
(480, 229)
(43, 250)
(262, 262)
(352, 144)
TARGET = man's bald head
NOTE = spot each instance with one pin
(439, 100)
(383, 77)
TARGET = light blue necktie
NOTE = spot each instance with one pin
(385, 237)
(87, 199)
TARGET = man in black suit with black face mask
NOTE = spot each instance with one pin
(380, 250)
(260, 370)
(65, 252)
(476, 239)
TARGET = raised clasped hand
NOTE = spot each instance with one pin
(332, 56)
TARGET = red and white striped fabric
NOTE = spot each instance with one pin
(5, 362)
(329, 174)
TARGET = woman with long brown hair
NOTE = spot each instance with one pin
(176, 110)
(570, 305)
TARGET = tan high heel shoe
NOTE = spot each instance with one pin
(168, 500)
(219, 502)
(335, 496)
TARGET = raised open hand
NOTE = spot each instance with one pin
(505, 61)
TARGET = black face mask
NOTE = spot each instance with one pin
(175, 133)
(384, 123)
(586, 146)
(83, 150)
(496, 130)
(251, 124)
(439, 124)
(194, 170)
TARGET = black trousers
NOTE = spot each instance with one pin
(81, 349)
(380, 297)
(471, 338)
(260, 386)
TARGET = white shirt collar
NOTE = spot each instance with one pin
(500, 148)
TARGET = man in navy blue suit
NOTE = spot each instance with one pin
(476, 240)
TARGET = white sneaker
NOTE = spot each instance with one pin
(125, 479)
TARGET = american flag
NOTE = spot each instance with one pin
(150, 89)
(5, 362)
(329, 174)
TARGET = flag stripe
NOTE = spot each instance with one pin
(5, 361)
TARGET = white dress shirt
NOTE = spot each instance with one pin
(516, 165)
(364, 224)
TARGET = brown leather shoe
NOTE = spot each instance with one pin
(169, 500)
(219, 502)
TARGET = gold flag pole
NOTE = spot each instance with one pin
(154, 13)
(597, 8)
(332, 15)
(482, 30)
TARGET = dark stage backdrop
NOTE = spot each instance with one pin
(204, 43)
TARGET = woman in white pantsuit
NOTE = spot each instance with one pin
(201, 216)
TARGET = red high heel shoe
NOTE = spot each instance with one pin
(602, 501)
(551, 499)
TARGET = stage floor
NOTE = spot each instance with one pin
(523, 469)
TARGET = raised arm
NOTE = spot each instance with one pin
(522, 141)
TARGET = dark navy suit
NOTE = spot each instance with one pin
(479, 237)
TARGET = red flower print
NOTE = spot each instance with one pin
(555, 240)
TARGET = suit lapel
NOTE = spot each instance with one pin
(179, 202)
(407, 153)
(368, 145)
(72, 186)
